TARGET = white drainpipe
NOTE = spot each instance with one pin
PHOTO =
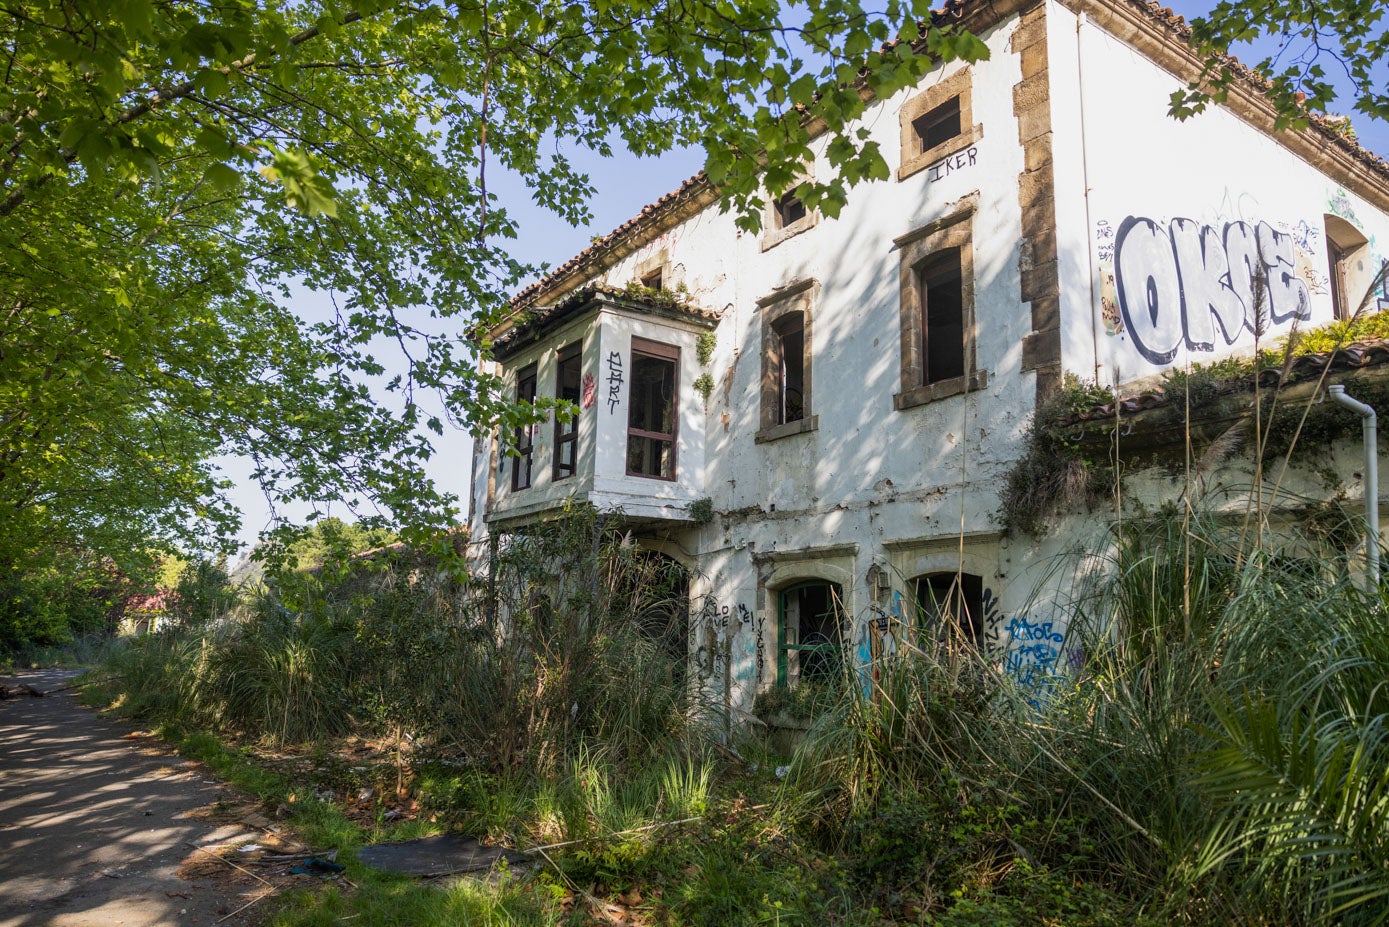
(1369, 424)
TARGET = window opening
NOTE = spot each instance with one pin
(1346, 248)
(950, 606)
(788, 210)
(525, 434)
(567, 375)
(810, 627)
(789, 333)
(1339, 297)
(943, 317)
(654, 280)
(651, 410)
(938, 125)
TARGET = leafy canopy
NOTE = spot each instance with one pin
(175, 174)
(1349, 36)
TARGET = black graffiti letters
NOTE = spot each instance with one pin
(956, 162)
(1189, 283)
(614, 380)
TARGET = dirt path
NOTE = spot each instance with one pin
(94, 823)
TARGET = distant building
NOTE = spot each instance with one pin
(817, 421)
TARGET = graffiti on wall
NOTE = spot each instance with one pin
(1185, 284)
(992, 624)
(615, 380)
(1034, 656)
(761, 648)
(956, 162)
(590, 391)
(1338, 204)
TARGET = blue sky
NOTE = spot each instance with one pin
(623, 184)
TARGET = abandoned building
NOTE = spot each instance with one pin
(819, 421)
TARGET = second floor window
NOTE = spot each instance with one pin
(789, 332)
(525, 434)
(652, 409)
(942, 317)
(568, 373)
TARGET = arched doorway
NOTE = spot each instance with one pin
(660, 599)
(810, 633)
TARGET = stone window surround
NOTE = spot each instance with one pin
(772, 235)
(781, 569)
(959, 84)
(799, 296)
(658, 263)
(954, 230)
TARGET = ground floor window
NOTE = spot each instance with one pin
(810, 631)
(950, 606)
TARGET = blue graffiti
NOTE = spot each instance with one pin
(1032, 660)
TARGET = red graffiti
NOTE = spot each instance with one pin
(590, 390)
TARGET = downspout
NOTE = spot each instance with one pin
(1369, 424)
(1095, 310)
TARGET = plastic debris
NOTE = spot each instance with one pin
(320, 867)
(445, 854)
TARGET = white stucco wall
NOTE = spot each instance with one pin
(1156, 217)
(916, 491)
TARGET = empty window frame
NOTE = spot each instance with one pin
(525, 434)
(788, 336)
(937, 311)
(652, 409)
(810, 634)
(786, 216)
(937, 126)
(788, 210)
(654, 272)
(940, 289)
(786, 361)
(950, 606)
(937, 122)
(568, 373)
(1346, 254)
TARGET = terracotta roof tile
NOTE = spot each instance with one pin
(537, 319)
(1358, 356)
(651, 214)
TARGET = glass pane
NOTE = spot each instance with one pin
(567, 387)
(652, 405)
(650, 457)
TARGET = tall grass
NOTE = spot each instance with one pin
(1223, 756)
(565, 641)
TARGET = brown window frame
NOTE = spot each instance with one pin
(777, 310)
(525, 434)
(1344, 243)
(915, 156)
(567, 433)
(642, 347)
(954, 231)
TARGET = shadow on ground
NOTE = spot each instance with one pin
(94, 821)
